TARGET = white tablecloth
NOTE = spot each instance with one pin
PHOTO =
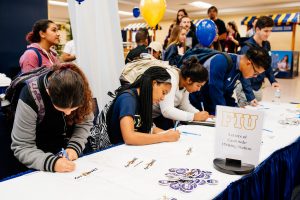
(112, 180)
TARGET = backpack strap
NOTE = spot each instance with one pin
(37, 53)
(229, 62)
(36, 94)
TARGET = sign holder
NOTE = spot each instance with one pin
(232, 166)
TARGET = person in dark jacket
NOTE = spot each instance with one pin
(176, 47)
(191, 39)
(67, 121)
(249, 91)
(141, 38)
(223, 77)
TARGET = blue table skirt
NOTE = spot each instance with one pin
(274, 178)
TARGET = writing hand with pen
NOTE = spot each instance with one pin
(171, 135)
(201, 116)
(65, 162)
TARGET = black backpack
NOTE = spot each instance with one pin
(13, 92)
(99, 138)
(203, 54)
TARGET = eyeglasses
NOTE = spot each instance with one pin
(256, 73)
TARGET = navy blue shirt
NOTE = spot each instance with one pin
(255, 83)
(172, 55)
(125, 105)
(221, 84)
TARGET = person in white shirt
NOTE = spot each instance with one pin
(69, 52)
(176, 105)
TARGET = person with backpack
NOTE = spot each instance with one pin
(54, 111)
(39, 53)
(250, 90)
(131, 112)
(223, 76)
(176, 106)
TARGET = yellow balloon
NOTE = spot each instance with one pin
(153, 11)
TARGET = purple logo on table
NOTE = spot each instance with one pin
(186, 180)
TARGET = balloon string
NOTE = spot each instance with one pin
(152, 40)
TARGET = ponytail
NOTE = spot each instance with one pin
(192, 69)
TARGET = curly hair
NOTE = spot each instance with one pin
(68, 88)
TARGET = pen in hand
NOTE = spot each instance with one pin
(202, 106)
(176, 124)
(63, 153)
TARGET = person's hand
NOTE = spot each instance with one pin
(64, 165)
(201, 116)
(72, 154)
(230, 37)
(180, 50)
(172, 135)
(276, 85)
(254, 102)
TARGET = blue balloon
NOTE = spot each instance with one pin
(136, 12)
(79, 1)
(206, 32)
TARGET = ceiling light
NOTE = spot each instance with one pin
(200, 4)
(124, 13)
(58, 3)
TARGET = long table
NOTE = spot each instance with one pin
(104, 175)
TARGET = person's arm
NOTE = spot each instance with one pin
(247, 88)
(24, 143)
(172, 55)
(269, 74)
(187, 106)
(28, 61)
(236, 39)
(79, 137)
(185, 103)
(167, 106)
(132, 137)
(66, 57)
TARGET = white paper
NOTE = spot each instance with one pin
(238, 134)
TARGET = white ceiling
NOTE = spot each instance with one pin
(228, 7)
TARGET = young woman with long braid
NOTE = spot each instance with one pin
(131, 121)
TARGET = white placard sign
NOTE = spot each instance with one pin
(238, 134)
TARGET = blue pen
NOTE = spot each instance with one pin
(202, 106)
(188, 133)
(176, 124)
(268, 130)
(63, 153)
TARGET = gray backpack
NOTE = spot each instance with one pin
(134, 69)
(99, 138)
